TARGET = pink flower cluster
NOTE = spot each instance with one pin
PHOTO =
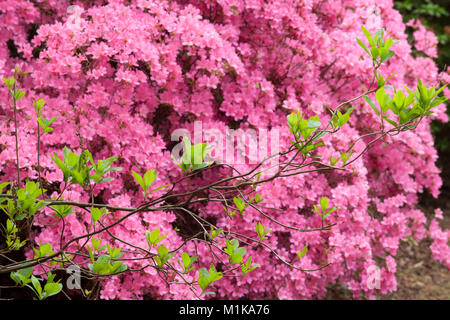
(122, 76)
(425, 40)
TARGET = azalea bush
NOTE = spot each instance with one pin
(93, 92)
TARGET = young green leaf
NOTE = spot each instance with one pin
(150, 177)
(302, 252)
(240, 204)
(371, 104)
(138, 179)
(324, 203)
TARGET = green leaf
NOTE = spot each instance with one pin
(186, 259)
(44, 249)
(293, 122)
(22, 276)
(387, 57)
(324, 203)
(440, 89)
(38, 104)
(363, 46)
(150, 177)
(313, 124)
(302, 253)
(331, 211)
(388, 43)
(207, 277)
(159, 188)
(36, 286)
(153, 237)
(371, 104)
(261, 231)
(106, 179)
(375, 52)
(3, 185)
(187, 262)
(61, 166)
(96, 214)
(138, 179)
(52, 288)
(203, 280)
(164, 255)
(214, 232)
(399, 99)
(368, 36)
(96, 243)
(247, 266)
(240, 204)
(235, 253)
(9, 82)
(19, 95)
(390, 77)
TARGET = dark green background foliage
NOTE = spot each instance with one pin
(434, 15)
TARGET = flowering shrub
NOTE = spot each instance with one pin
(120, 77)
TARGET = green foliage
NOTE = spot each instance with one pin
(247, 266)
(230, 213)
(153, 238)
(302, 252)
(106, 263)
(61, 210)
(76, 169)
(215, 232)
(163, 255)
(235, 253)
(26, 204)
(101, 167)
(434, 15)
(38, 105)
(345, 156)
(340, 119)
(409, 107)
(207, 277)
(22, 276)
(11, 83)
(147, 181)
(193, 157)
(97, 213)
(234, 10)
(43, 122)
(73, 166)
(325, 209)
(187, 262)
(44, 250)
(261, 231)
(25, 277)
(240, 204)
(13, 242)
(303, 130)
(378, 48)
